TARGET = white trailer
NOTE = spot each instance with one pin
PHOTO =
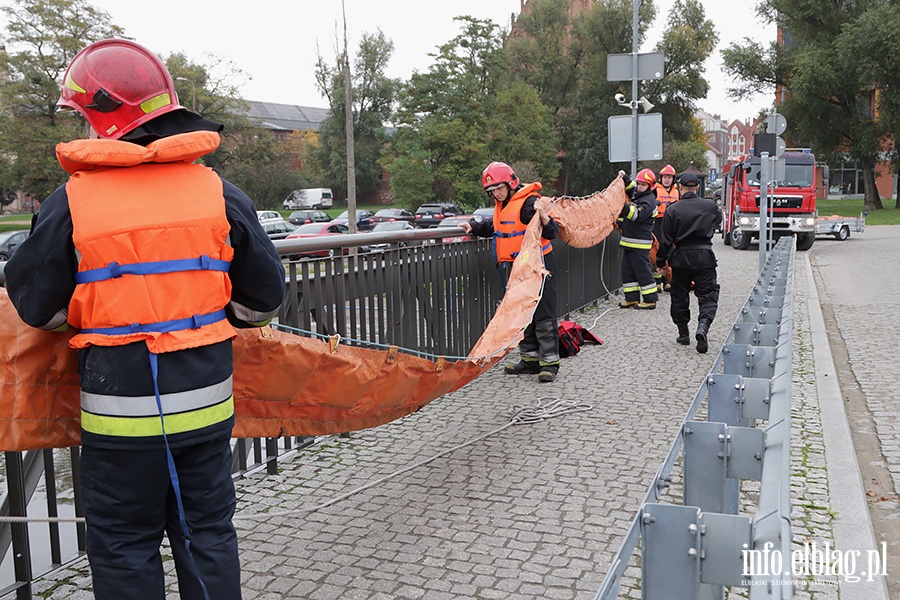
(840, 227)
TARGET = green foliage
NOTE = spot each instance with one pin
(42, 38)
(687, 42)
(462, 114)
(263, 167)
(373, 100)
(544, 55)
(836, 53)
(605, 29)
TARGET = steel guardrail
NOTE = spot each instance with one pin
(694, 550)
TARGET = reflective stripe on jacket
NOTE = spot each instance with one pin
(636, 221)
(665, 198)
(508, 229)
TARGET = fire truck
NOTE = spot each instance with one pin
(792, 203)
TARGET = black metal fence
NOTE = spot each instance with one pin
(426, 297)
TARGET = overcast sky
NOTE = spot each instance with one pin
(275, 42)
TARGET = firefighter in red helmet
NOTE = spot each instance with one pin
(636, 224)
(514, 207)
(667, 193)
(154, 260)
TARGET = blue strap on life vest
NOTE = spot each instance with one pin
(173, 475)
(195, 322)
(114, 270)
(508, 235)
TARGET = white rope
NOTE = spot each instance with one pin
(518, 415)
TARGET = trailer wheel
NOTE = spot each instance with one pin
(843, 233)
(739, 239)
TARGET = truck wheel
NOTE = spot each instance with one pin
(739, 239)
(805, 241)
(843, 234)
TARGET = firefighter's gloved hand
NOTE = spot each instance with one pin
(627, 181)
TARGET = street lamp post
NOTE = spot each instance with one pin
(193, 95)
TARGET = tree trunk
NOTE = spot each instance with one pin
(872, 198)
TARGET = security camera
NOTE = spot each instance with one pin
(620, 98)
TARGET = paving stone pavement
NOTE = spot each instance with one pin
(530, 511)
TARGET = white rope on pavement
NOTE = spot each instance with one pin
(518, 415)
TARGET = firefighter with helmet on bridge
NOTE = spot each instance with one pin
(514, 207)
(667, 193)
(636, 225)
(154, 260)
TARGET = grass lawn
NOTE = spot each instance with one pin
(337, 210)
(851, 207)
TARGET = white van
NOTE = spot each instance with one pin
(309, 198)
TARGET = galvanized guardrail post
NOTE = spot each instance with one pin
(692, 551)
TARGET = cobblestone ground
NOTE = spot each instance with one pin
(529, 511)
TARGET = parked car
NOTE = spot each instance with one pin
(393, 214)
(455, 222)
(485, 213)
(363, 219)
(430, 215)
(397, 226)
(302, 217)
(9, 241)
(265, 215)
(278, 229)
(311, 230)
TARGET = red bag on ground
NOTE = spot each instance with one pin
(572, 337)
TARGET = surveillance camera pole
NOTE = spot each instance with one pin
(634, 90)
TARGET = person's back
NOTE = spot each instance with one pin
(154, 260)
(686, 246)
(693, 219)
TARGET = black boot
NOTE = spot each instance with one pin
(523, 367)
(548, 373)
(684, 335)
(702, 342)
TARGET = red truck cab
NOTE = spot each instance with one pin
(792, 202)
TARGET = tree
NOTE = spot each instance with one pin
(265, 168)
(604, 29)
(683, 153)
(460, 115)
(688, 40)
(544, 54)
(373, 101)
(828, 96)
(43, 37)
(879, 27)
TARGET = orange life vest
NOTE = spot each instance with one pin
(665, 197)
(153, 257)
(508, 229)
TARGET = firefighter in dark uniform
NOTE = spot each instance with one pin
(636, 225)
(686, 245)
(513, 210)
(154, 260)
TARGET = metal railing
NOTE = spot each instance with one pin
(692, 551)
(428, 297)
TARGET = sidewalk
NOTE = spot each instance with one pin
(530, 511)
